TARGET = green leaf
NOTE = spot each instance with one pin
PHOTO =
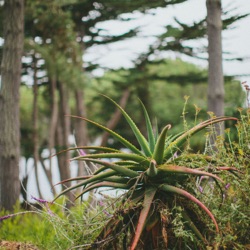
(103, 184)
(160, 145)
(148, 199)
(117, 179)
(156, 130)
(119, 169)
(140, 138)
(96, 148)
(169, 141)
(115, 135)
(135, 167)
(152, 170)
(184, 170)
(151, 137)
(79, 178)
(171, 138)
(91, 179)
(131, 157)
(182, 138)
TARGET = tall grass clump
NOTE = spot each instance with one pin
(51, 226)
(233, 214)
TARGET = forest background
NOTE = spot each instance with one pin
(68, 60)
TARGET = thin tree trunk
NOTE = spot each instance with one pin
(13, 18)
(48, 175)
(63, 132)
(35, 125)
(81, 130)
(215, 70)
(116, 116)
(24, 182)
(53, 118)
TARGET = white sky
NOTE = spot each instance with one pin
(121, 54)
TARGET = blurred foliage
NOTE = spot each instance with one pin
(166, 83)
(177, 37)
(58, 32)
(26, 123)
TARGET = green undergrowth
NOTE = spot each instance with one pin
(54, 227)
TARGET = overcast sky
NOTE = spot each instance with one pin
(121, 54)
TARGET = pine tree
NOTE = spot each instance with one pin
(9, 102)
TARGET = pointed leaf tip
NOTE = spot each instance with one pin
(158, 154)
(152, 170)
(140, 138)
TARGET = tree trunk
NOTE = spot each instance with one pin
(48, 175)
(81, 130)
(215, 71)
(35, 125)
(9, 102)
(63, 132)
(53, 118)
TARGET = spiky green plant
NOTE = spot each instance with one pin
(155, 183)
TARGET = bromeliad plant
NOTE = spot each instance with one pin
(155, 182)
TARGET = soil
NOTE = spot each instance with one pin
(13, 245)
